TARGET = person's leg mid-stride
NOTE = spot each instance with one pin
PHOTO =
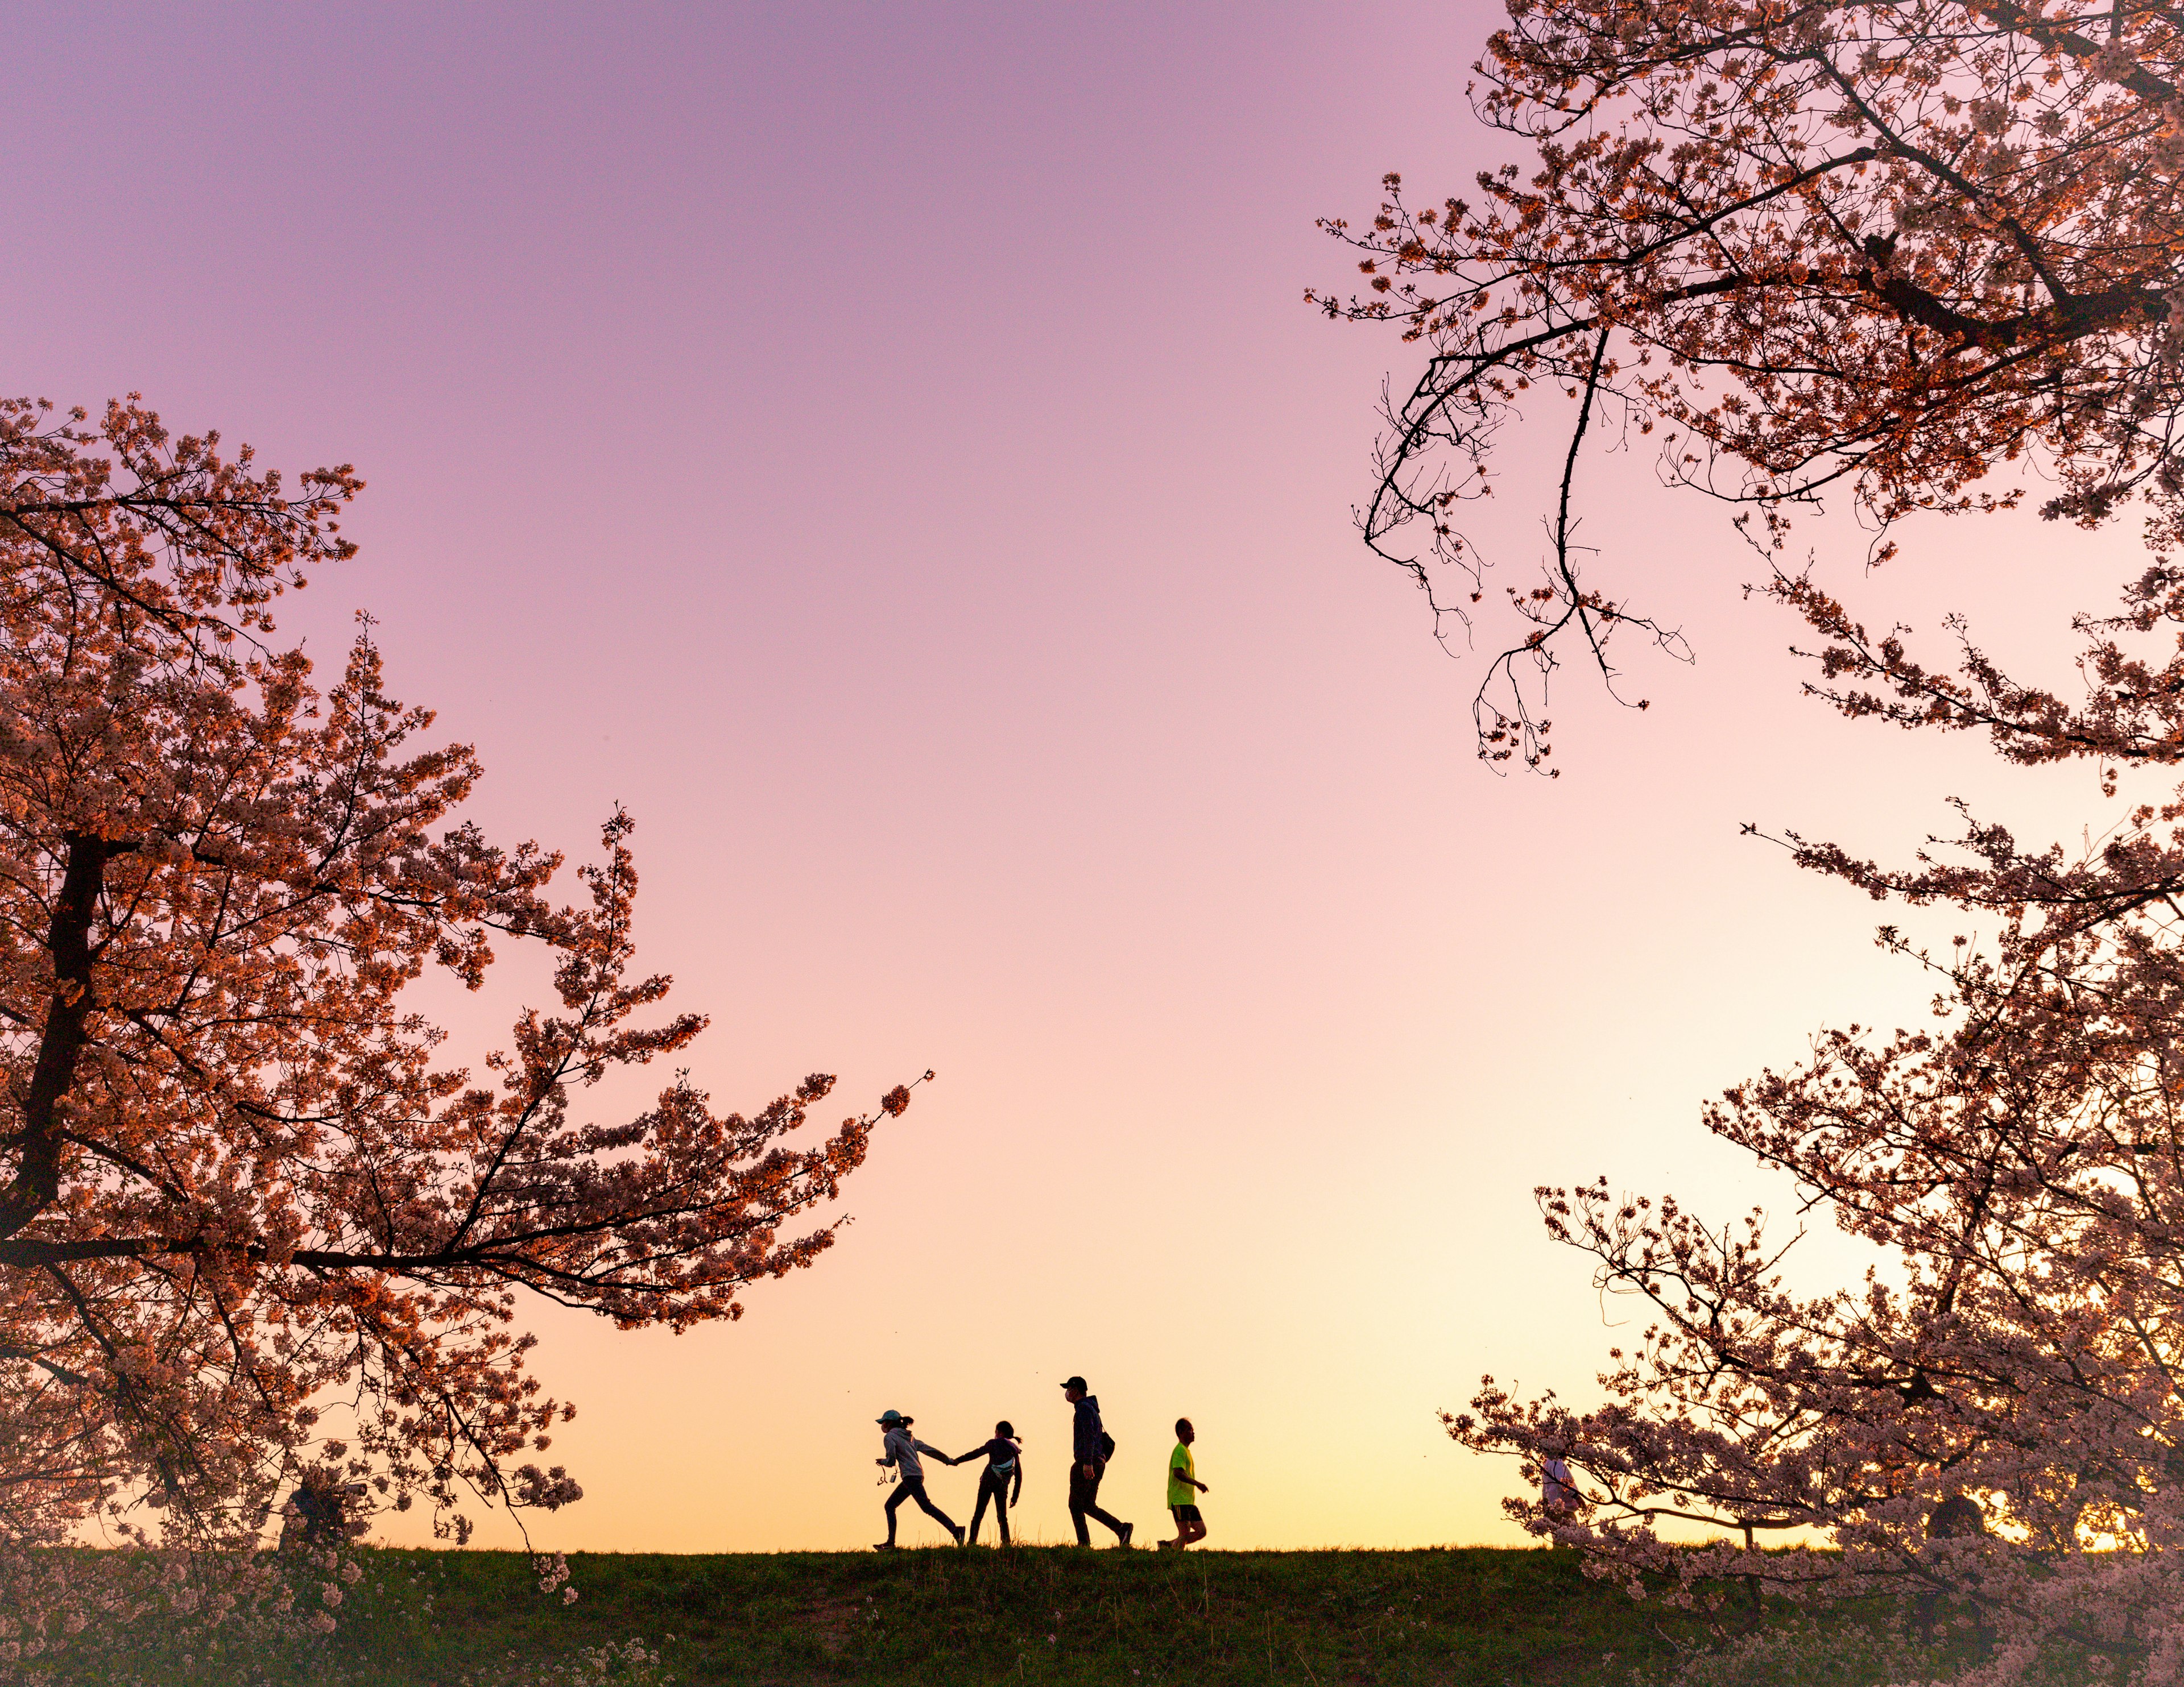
(1085, 1502)
(913, 1487)
(995, 1488)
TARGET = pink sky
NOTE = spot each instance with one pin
(884, 448)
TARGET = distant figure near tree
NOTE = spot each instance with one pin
(1559, 1495)
(902, 1451)
(1090, 1447)
(1184, 1489)
(322, 1512)
(1004, 1456)
(1958, 1518)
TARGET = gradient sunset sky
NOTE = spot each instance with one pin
(884, 447)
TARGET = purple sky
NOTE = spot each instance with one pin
(885, 449)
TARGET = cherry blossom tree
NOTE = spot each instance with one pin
(1991, 1424)
(242, 1181)
(1909, 255)
(1911, 258)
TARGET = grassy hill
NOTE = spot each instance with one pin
(1028, 1615)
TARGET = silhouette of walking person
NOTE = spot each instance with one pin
(1004, 1456)
(902, 1451)
(1090, 1447)
(1184, 1489)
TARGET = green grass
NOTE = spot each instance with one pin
(1030, 1615)
(1060, 1615)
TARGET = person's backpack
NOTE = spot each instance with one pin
(1106, 1446)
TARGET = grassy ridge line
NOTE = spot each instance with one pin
(1031, 1614)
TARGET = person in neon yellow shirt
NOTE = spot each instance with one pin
(1184, 1487)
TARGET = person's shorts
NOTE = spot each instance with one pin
(1186, 1514)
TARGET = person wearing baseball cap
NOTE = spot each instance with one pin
(1090, 1447)
(902, 1449)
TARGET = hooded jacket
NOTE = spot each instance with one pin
(902, 1450)
(1084, 1435)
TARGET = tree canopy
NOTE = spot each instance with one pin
(1917, 256)
(241, 1178)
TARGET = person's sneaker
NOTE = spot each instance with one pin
(882, 1546)
(1129, 1529)
(959, 1534)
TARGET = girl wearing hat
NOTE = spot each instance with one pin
(902, 1449)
